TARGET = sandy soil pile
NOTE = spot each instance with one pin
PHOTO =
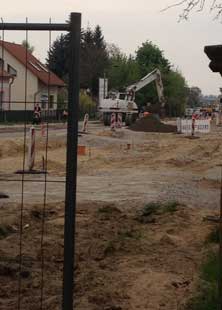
(152, 124)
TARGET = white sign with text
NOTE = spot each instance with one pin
(200, 125)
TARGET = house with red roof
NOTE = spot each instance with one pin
(25, 81)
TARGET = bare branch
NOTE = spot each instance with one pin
(199, 5)
(173, 5)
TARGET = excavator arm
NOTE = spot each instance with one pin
(155, 75)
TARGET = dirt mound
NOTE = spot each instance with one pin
(151, 123)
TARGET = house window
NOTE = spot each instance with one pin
(12, 71)
(1, 63)
(44, 101)
(43, 104)
(51, 101)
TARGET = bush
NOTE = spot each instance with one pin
(214, 236)
(86, 105)
(208, 295)
(5, 231)
(171, 206)
(153, 208)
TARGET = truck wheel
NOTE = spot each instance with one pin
(128, 119)
(134, 118)
(107, 119)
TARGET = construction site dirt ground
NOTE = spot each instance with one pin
(122, 262)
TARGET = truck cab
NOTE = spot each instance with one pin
(117, 102)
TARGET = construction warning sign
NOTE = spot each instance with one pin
(200, 126)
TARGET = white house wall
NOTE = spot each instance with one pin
(18, 86)
(43, 89)
(34, 87)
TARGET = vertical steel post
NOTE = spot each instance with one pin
(71, 165)
(104, 86)
(219, 307)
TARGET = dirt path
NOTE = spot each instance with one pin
(121, 185)
(121, 263)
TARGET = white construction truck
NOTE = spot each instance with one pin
(117, 102)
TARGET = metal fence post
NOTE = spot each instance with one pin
(219, 304)
(71, 165)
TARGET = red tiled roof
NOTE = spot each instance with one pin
(33, 64)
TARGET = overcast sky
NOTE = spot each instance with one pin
(128, 23)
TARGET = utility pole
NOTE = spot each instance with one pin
(104, 85)
(220, 107)
(220, 252)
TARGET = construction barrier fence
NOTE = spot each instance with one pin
(200, 126)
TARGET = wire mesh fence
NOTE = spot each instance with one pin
(36, 261)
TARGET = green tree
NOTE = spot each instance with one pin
(176, 92)
(57, 57)
(150, 57)
(86, 105)
(27, 45)
(93, 58)
(98, 38)
(194, 97)
(122, 70)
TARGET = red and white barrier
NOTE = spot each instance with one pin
(85, 123)
(31, 154)
(189, 126)
(113, 121)
(119, 120)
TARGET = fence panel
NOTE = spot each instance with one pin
(37, 228)
(200, 126)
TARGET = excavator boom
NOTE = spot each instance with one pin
(155, 75)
